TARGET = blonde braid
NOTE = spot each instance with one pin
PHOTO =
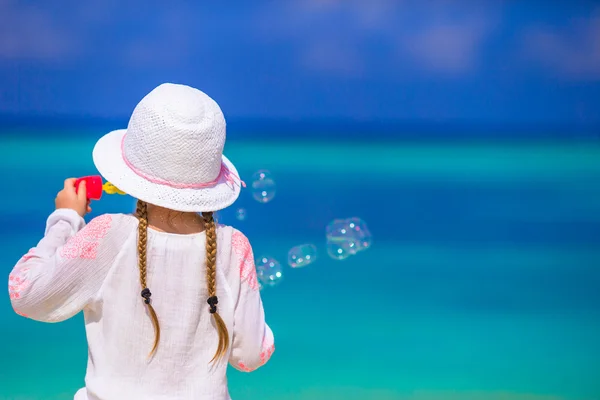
(142, 214)
(211, 279)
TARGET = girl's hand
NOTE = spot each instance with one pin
(72, 199)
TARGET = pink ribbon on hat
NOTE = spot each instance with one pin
(225, 173)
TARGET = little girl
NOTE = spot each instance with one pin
(169, 297)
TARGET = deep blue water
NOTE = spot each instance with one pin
(482, 281)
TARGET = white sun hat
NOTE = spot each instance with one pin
(171, 154)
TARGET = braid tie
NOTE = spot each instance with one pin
(146, 294)
(212, 302)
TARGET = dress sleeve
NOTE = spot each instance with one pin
(56, 279)
(253, 341)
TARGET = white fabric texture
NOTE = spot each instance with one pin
(94, 269)
(173, 145)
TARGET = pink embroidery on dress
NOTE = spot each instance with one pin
(85, 243)
(97, 227)
(17, 283)
(243, 367)
(268, 347)
(243, 250)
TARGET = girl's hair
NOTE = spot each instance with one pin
(211, 280)
(211, 276)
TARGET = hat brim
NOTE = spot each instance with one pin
(108, 159)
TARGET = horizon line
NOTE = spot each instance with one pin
(350, 127)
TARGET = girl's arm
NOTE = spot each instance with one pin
(253, 341)
(56, 279)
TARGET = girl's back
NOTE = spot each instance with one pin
(180, 368)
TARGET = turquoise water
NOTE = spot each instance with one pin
(482, 282)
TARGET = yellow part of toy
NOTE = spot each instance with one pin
(109, 188)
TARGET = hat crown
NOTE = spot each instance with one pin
(176, 133)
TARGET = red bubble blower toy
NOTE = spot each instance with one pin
(94, 187)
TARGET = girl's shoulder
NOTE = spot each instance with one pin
(233, 231)
(238, 240)
(110, 221)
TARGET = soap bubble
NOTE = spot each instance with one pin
(263, 186)
(339, 228)
(339, 250)
(361, 233)
(268, 271)
(240, 214)
(346, 237)
(342, 238)
(302, 255)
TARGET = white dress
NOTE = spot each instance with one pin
(94, 268)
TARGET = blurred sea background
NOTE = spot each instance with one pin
(464, 134)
